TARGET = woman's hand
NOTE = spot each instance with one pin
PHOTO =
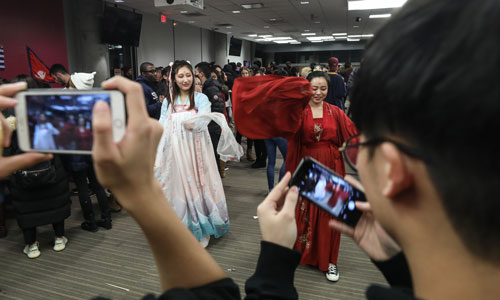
(10, 164)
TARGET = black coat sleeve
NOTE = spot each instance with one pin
(396, 271)
(215, 97)
(273, 277)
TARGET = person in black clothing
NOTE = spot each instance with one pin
(337, 88)
(212, 89)
(148, 83)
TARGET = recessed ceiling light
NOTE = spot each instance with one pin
(252, 5)
(340, 37)
(321, 38)
(353, 40)
(119, 1)
(282, 42)
(272, 20)
(339, 34)
(266, 36)
(310, 33)
(304, 2)
(236, 11)
(279, 38)
(374, 4)
(252, 35)
(381, 16)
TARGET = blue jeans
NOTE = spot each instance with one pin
(271, 145)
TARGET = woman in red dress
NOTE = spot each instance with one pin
(313, 128)
(323, 130)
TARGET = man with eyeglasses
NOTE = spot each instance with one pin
(147, 79)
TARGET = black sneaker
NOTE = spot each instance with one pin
(89, 226)
(104, 223)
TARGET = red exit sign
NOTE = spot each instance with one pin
(163, 18)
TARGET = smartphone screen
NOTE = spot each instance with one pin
(328, 190)
(60, 120)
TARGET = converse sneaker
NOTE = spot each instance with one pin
(332, 274)
(60, 243)
(32, 250)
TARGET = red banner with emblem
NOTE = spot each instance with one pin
(38, 69)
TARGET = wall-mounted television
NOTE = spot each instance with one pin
(121, 27)
(235, 47)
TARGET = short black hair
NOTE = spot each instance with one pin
(280, 72)
(420, 82)
(144, 65)
(58, 68)
(204, 68)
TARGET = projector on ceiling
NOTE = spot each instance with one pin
(179, 4)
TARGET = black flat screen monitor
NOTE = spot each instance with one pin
(121, 27)
(235, 47)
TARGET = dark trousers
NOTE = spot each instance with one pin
(80, 178)
(249, 141)
(260, 150)
(30, 233)
(271, 145)
(215, 137)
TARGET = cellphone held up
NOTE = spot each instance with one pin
(328, 190)
(60, 121)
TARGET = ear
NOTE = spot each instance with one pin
(398, 176)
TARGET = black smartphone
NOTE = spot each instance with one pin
(328, 190)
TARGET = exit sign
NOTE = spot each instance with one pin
(163, 18)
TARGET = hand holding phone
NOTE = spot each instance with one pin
(328, 190)
(368, 233)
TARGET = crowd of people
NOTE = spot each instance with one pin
(431, 210)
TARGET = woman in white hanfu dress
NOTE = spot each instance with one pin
(185, 163)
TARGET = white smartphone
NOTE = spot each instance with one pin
(60, 121)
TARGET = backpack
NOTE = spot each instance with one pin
(41, 174)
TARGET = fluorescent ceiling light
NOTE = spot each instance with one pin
(374, 4)
(357, 36)
(304, 2)
(281, 42)
(190, 21)
(306, 34)
(119, 1)
(252, 35)
(339, 34)
(316, 41)
(228, 27)
(236, 11)
(367, 35)
(262, 40)
(266, 27)
(279, 38)
(252, 5)
(381, 16)
(266, 36)
(353, 40)
(295, 43)
(355, 26)
(306, 30)
(340, 37)
(272, 20)
(317, 22)
(320, 38)
(184, 11)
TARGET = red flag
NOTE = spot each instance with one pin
(38, 69)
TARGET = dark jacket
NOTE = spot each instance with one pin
(152, 101)
(45, 204)
(336, 90)
(212, 89)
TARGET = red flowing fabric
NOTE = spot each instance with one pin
(269, 106)
(261, 113)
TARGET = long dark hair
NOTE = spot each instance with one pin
(178, 64)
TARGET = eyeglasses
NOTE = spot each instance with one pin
(351, 147)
